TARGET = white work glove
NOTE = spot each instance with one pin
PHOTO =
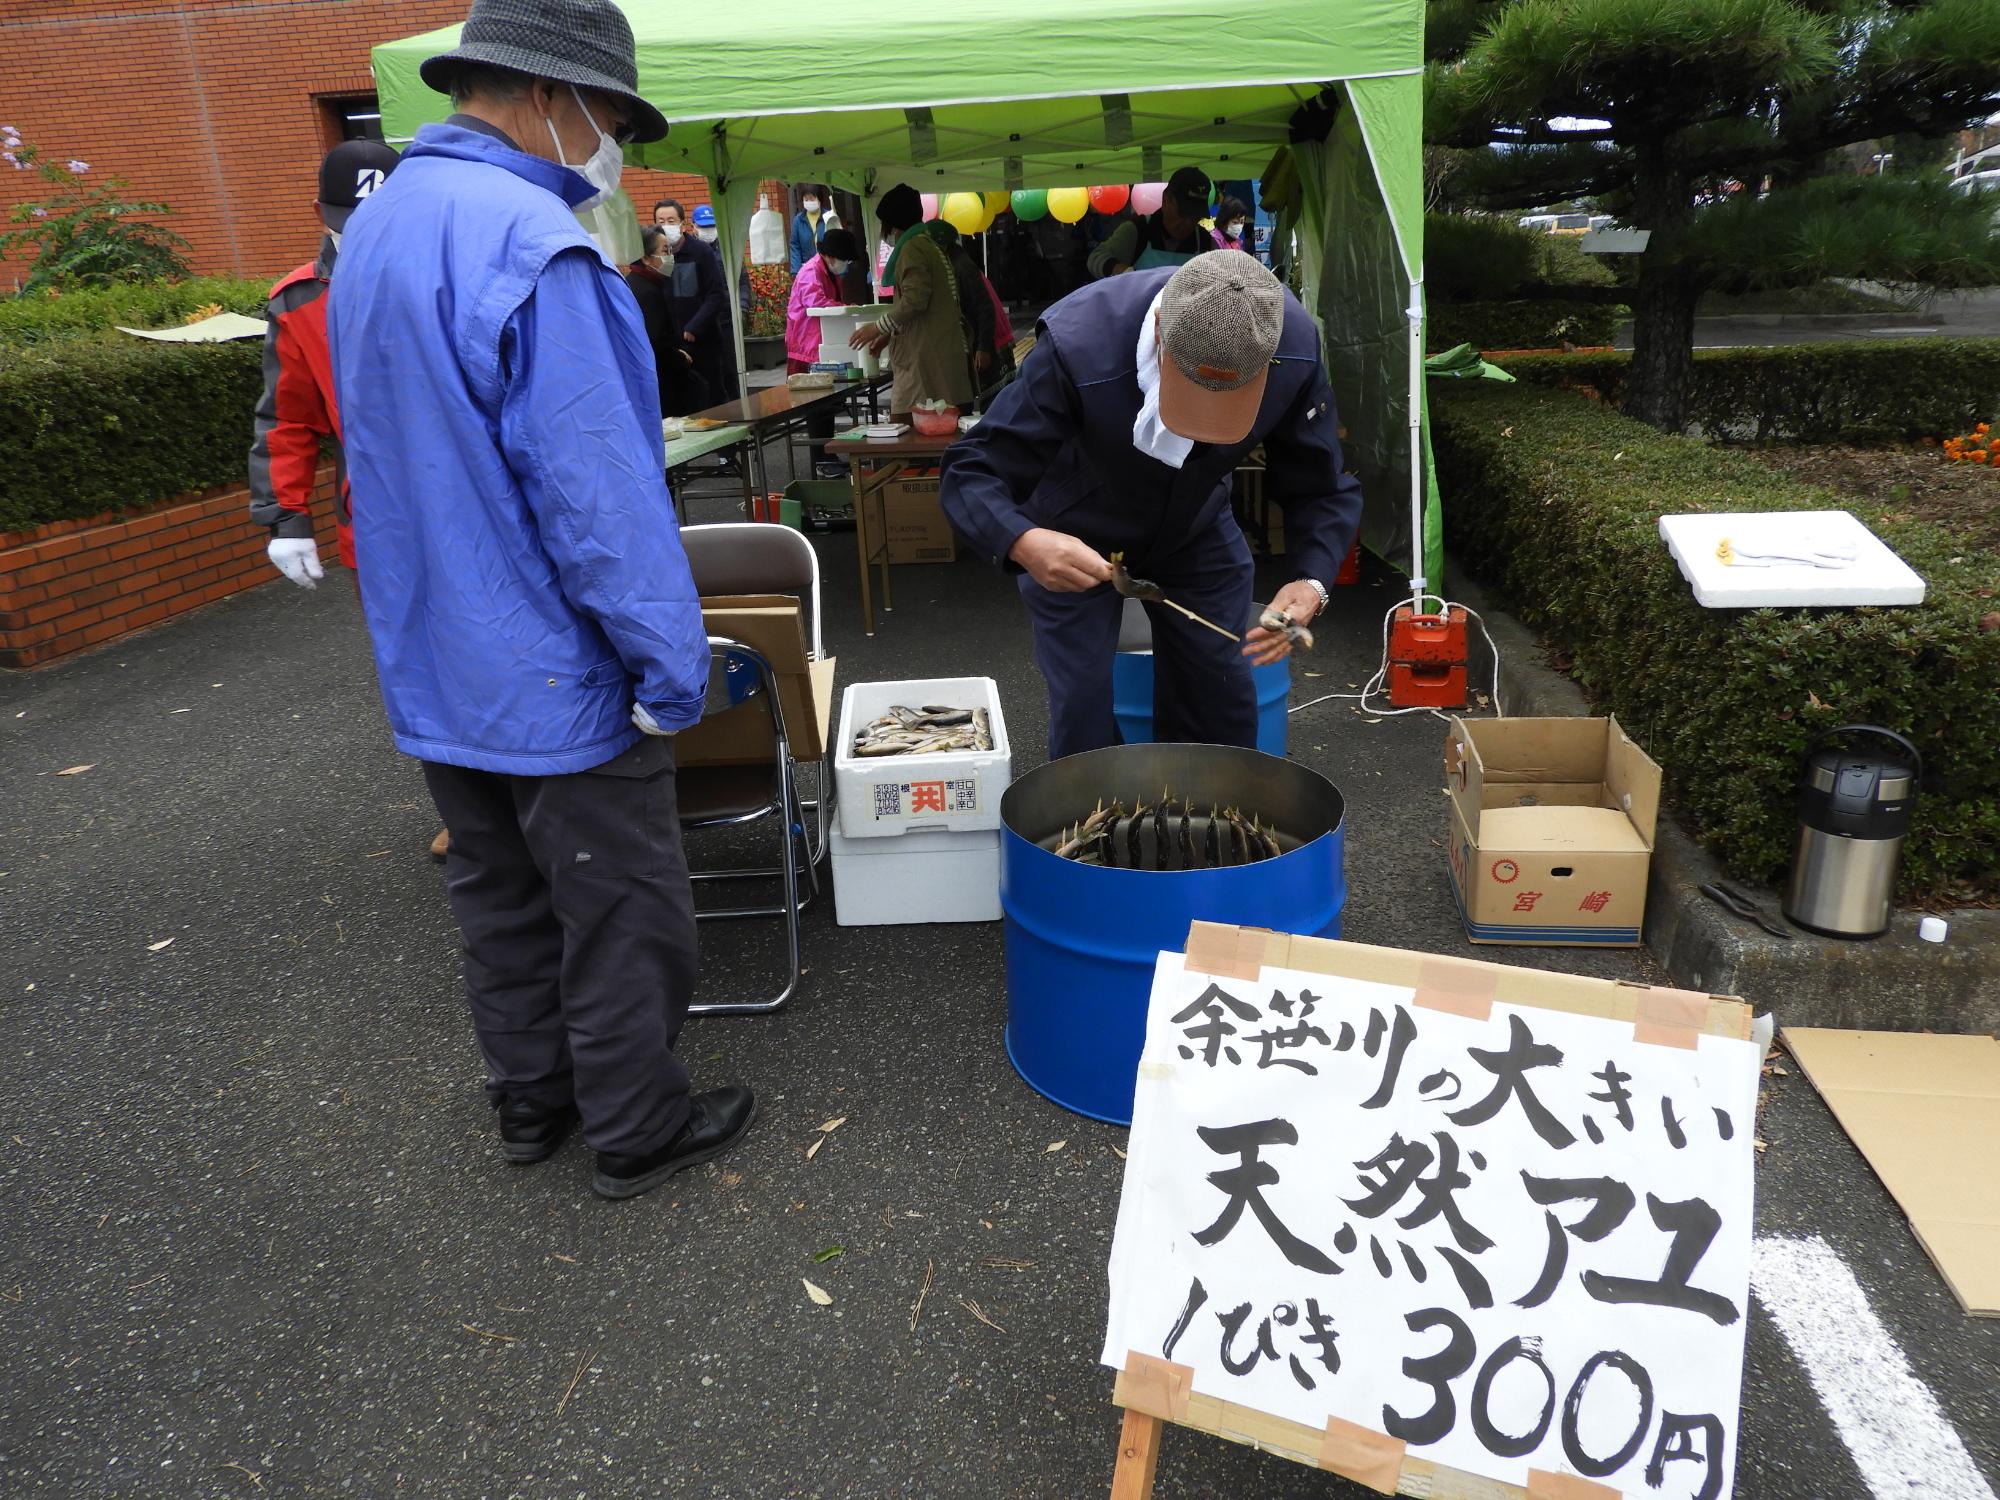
(645, 723)
(297, 557)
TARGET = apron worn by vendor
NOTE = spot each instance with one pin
(1057, 450)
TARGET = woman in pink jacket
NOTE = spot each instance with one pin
(816, 285)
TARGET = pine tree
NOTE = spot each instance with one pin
(1675, 115)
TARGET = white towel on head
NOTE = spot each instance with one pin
(1150, 435)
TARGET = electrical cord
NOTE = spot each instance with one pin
(1375, 683)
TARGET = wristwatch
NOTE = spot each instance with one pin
(1319, 588)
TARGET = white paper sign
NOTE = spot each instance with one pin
(1514, 1243)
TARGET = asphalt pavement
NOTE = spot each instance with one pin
(256, 1239)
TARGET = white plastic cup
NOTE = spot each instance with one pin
(1933, 929)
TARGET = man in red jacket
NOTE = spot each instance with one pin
(296, 411)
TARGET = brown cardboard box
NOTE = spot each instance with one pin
(771, 625)
(1551, 830)
(917, 529)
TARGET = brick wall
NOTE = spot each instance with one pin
(211, 106)
(72, 585)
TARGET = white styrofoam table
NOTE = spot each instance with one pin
(1876, 576)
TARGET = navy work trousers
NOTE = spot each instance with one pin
(1202, 692)
(573, 904)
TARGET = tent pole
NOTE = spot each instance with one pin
(1418, 583)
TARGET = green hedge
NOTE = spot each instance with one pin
(88, 427)
(1557, 499)
(38, 320)
(1538, 324)
(1868, 390)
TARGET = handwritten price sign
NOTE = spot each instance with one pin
(1509, 1238)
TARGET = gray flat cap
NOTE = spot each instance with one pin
(584, 42)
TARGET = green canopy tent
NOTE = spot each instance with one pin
(986, 94)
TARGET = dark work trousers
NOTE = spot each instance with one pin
(572, 899)
(1202, 693)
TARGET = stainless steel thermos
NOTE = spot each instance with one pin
(1854, 810)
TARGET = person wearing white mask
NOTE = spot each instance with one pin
(1232, 220)
(817, 285)
(809, 225)
(701, 300)
(537, 633)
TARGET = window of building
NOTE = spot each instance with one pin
(350, 117)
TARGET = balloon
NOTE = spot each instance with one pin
(1030, 204)
(996, 205)
(1146, 198)
(965, 212)
(1108, 200)
(930, 205)
(1069, 204)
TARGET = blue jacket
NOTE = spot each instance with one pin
(1055, 448)
(805, 241)
(520, 564)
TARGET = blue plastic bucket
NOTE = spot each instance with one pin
(1132, 700)
(1081, 940)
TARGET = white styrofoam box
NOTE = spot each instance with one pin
(954, 792)
(919, 878)
(836, 327)
(1876, 575)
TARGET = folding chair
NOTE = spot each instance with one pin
(757, 558)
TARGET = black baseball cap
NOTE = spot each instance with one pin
(1190, 188)
(351, 171)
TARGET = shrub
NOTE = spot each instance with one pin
(1557, 499)
(88, 427)
(1869, 390)
(1540, 324)
(1478, 257)
(84, 231)
(35, 318)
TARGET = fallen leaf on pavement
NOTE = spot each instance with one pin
(1052, 1147)
(980, 1313)
(487, 1333)
(1119, 1152)
(832, 1125)
(820, 1295)
(172, 711)
(813, 1149)
(831, 1252)
(77, 770)
(162, 943)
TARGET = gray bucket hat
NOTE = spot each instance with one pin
(584, 42)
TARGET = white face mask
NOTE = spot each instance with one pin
(839, 267)
(334, 235)
(672, 232)
(1234, 231)
(707, 236)
(812, 205)
(606, 165)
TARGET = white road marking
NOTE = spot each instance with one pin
(1893, 1426)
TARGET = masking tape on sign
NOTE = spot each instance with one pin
(1157, 1387)
(1453, 985)
(1369, 1458)
(1226, 952)
(1670, 1018)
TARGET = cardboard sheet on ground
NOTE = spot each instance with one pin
(1925, 1111)
(1437, 1213)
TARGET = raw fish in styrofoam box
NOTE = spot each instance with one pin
(883, 796)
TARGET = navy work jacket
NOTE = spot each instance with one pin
(1055, 449)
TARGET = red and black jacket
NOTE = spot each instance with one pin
(296, 411)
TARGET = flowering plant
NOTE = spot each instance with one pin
(83, 232)
(770, 293)
(1978, 446)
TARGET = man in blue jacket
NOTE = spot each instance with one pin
(1120, 434)
(535, 627)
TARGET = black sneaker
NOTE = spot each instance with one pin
(716, 1121)
(531, 1132)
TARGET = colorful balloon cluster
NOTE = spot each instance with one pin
(974, 213)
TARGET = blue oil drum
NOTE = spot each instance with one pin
(1132, 700)
(1081, 940)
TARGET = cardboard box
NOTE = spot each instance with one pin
(917, 529)
(770, 624)
(1925, 1111)
(1551, 830)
